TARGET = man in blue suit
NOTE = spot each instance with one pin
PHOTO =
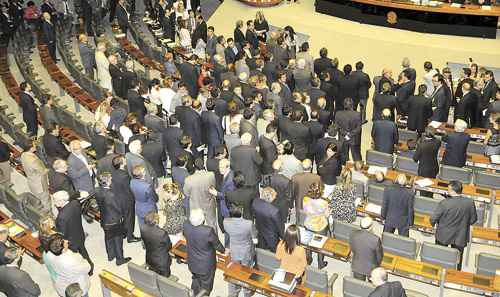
(144, 193)
(212, 125)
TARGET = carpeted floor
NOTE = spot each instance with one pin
(208, 8)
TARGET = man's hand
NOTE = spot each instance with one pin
(212, 191)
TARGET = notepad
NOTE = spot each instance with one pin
(318, 241)
(374, 208)
(424, 182)
(372, 169)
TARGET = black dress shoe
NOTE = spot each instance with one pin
(123, 261)
(133, 239)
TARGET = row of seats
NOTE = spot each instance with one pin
(156, 53)
(352, 287)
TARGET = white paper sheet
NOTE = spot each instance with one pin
(372, 169)
(424, 182)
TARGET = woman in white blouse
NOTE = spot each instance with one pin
(102, 64)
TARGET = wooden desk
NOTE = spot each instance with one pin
(332, 248)
(470, 282)
(485, 235)
(120, 286)
(417, 270)
(25, 240)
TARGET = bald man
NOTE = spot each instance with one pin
(384, 288)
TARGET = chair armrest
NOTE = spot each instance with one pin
(202, 293)
(331, 281)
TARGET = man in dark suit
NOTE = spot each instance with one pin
(383, 100)
(456, 145)
(454, 216)
(488, 94)
(189, 76)
(269, 225)
(378, 277)
(158, 245)
(301, 182)
(317, 131)
(27, 103)
(348, 87)
(53, 145)
(15, 282)
(283, 187)
(60, 181)
(323, 63)
(202, 243)
(225, 186)
(69, 224)
(87, 55)
(426, 155)
(136, 102)
(421, 110)
(212, 126)
(247, 125)
(122, 16)
(153, 152)
(116, 72)
(397, 207)
(251, 36)
(267, 149)
(100, 142)
(230, 52)
(404, 89)
(466, 108)
(385, 133)
(364, 85)
(241, 197)
(190, 121)
(49, 35)
(367, 252)
(441, 100)
(171, 137)
(348, 123)
(200, 32)
(246, 159)
(299, 134)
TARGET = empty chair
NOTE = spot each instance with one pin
(475, 147)
(352, 287)
(143, 279)
(379, 159)
(266, 261)
(376, 194)
(487, 179)
(406, 165)
(455, 173)
(405, 135)
(318, 280)
(443, 256)
(399, 245)
(342, 231)
(425, 205)
(487, 264)
(169, 287)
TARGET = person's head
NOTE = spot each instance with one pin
(405, 76)
(75, 147)
(366, 223)
(447, 72)
(405, 63)
(25, 87)
(250, 25)
(239, 24)
(246, 138)
(83, 38)
(46, 16)
(60, 166)
(346, 177)
(455, 188)
(488, 75)
(301, 63)
(401, 179)
(47, 225)
(187, 100)
(386, 87)
(224, 166)
(234, 128)
(438, 80)
(268, 194)
(291, 238)
(386, 114)
(347, 69)
(466, 87)
(151, 218)
(271, 130)
(57, 244)
(10, 255)
(112, 59)
(235, 211)
(60, 198)
(138, 172)
(73, 290)
(196, 217)
(359, 65)
(460, 125)
(323, 52)
(331, 150)
(387, 73)
(4, 233)
(259, 16)
(422, 89)
(135, 147)
(378, 276)
(427, 66)
(307, 165)
(348, 104)
(379, 176)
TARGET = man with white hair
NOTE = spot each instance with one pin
(80, 170)
(233, 139)
(378, 277)
(302, 76)
(456, 145)
(202, 244)
(366, 250)
(246, 159)
(49, 35)
(134, 158)
(385, 133)
(69, 224)
(397, 207)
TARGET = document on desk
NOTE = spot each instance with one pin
(485, 7)
(435, 124)
(372, 169)
(318, 241)
(424, 182)
(374, 208)
(456, 5)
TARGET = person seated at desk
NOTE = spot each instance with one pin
(292, 255)
(378, 277)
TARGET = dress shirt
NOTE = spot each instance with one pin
(69, 268)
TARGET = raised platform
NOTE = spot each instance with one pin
(261, 3)
(465, 20)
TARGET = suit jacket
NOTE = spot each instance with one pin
(348, 122)
(189, 77)
(179, 175)
(48, 33)
(397, 208)
(241, 234)
(456, 149)
(79, 174)
(389, 289)
(69, 224)
(269, 225)
(196, 188)
(239, 37)
(28, 106)
(300, 135)
(36, 172)
(301, 183)
(454, 216)
(127, 78)
(158, 245)
(99, 145)
(121, 188)
(15, 282)
(87, 55)
(403, 93)
(170, 139)
(421, 111)
(251, 37)
(426, 155)
(269, 153)
(242, 198)
(329, 170)
(442, 102)
(302, 78)
(488, 94)
(466, 108)
(121, 16)
(246, 159)
(202, 243)
(134, 160)
(54, 148)
(364, 84)
(381, 102)
(284, 190)
(212, 127)
(322, 64)
(385, 135)
(367, 251)
(136, 104)
(61, 182)
(153, 153)
(200, 32)
(190, 122)
(145, 198)
(349, 86)
(229, 55)
(105, 164)
(109, 207)
(116, 79)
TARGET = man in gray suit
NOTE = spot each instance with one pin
(135, 158)
(196, 188)
(241, 244)
(80, 170)
(87, 55)
(366, 249)
(454, 216)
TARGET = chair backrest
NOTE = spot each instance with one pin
(342, 231)
(352, 287)
(168, 288)
(443, 256)
(316, 279)
(475, 147)
(266, 260)
(144, 279)
(487, 264)
(405, 135)
(406, 165)
(376, 194)
(487, 179)
(379, 159)
(359, 189)
(425, 205)
(481, 214)
(399, 245)
(455, 173)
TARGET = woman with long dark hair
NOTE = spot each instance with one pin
(292, 255)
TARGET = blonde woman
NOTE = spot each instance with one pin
(103, 111)
(172, 208)
(47, 230)
(342, 199)
(102, 63)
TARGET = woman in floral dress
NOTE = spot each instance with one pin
(172, 208)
